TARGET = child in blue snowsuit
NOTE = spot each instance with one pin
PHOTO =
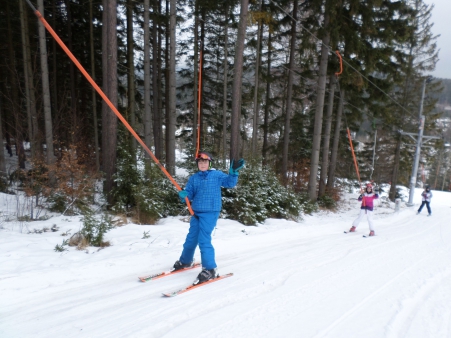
(204, 191)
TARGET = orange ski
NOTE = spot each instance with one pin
(167, 273)
(194, 286)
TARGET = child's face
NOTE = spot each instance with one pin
(203, 164)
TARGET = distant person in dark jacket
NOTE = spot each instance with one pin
(426, 200)
(367, 198)
(204, 191)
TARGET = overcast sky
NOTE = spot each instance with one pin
(441, 17)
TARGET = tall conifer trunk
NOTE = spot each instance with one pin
(170, 128)
(2, 149)
(256, 85)
(93, 75)
(318, 123)
(147, 110)
(196, 72)
(237, 81)
(14, 87)
(54, 96)
(267, 99)
(336, 141)
(286, 131)
(326, 139)
(131, 71)
(225, 83)
(33, 132)
(73, 77)
(156, 81)
(46, 89)
(109, 119)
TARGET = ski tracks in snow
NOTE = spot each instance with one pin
(429, 299)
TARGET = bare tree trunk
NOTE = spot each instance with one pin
(268, 92)
(165, 120)
(200, 123)
(36, 148)
(156, 71)
(320, 93)
(14, 87)
(46, 89)
(286, 131)
(445, 175)
(237, 81)
(170, 128)
(2, 149)
(196, 73)
(55, 67)
(131, 71)
(326, 140)
(394, 177)
(94, 101)
(159, 147)
(109, 120)
(256, 87)
(147, 111)
(336, 141)
(225, 83)
(72, 75)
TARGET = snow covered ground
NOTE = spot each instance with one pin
(305, 279)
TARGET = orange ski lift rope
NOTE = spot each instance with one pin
(105, 98)
(347, 128)
(341, 63)
(355, 159)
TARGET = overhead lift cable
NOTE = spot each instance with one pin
(346, 62)
(106, 99)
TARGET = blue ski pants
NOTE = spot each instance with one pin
(199, 233)
(427, 206)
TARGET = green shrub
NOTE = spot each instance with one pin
(142, 191)
(94, 229)
(57, 203)
(61, 248)
(308, 206)
(327, 202)
(258, 196)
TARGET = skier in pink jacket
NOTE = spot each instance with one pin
(367, 198)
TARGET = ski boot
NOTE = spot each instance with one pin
(352, 229)
(206, 275)
(371, 233)
(179, 265)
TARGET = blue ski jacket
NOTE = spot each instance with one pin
(204, 189)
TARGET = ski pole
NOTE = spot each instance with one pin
(106, 99)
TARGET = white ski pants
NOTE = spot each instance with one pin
(369, 216)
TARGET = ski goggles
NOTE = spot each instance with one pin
(202, 156)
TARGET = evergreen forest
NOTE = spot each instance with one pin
(284, 84)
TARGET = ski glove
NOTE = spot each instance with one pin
(235, 167)
(183, 194)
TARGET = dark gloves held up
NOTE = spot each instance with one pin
(236, 166)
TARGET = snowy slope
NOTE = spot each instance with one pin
(305, 279)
